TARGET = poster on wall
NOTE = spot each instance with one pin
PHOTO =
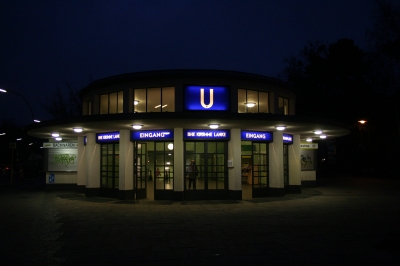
(307, 159)
(62, 159)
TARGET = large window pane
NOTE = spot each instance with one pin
(263, 102)
(120, 102)
(113, 103)
(252, 97)
(241, 101)
(154, 100)
(104, 104)
(283, 106)
(168, 99)
(139, 101)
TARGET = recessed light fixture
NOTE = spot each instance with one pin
(322, 136)
(137, 126)
(19, 139)
(309, 139)
(55, 135)
(78, 129)
(213, 126)
(280, 128)
(58, 138)
(318, 132)
(250, 104)
(362, 121)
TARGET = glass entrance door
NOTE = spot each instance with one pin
(141, 173)
(154, 170)
(109, 181)
(206, 175)
(162, 163)
(260, 170)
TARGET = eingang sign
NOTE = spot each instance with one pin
(256, 135)
(150, 135)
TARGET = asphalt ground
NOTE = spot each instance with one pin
(342, 221)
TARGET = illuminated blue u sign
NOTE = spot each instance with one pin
(204, 98)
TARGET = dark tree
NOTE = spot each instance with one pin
(330, 80)
(64, 104)
(384, 39)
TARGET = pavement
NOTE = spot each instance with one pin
(343, 221)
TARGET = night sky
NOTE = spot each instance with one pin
(44, 44)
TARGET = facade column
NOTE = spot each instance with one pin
(125, 166)
(179, 164)
(276, 179)
(81, 182)
(235, 172)
(93, 166)
(294, 165)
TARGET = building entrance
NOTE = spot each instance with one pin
(206, 174)
(154, 170)
(109, 181)
(255, 164)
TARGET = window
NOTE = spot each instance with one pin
(250, 101)
(160, 99)
(112, 103)
(283, 106)
(87, 108)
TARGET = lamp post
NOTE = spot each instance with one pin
(12, 145)
(30, 108)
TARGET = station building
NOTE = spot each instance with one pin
(184, 135)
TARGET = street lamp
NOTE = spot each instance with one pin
(30, 108)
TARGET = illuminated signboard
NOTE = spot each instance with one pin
(152, 135)
(288, 139)
(257, 136)
(204, 98)
(59, 145)
(309, 146)
(206, 134)
(107, 137)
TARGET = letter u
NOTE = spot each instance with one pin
(211, 98)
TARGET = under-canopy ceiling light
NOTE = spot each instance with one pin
(250, 104)
(78, 129)
(213, 126)
(318, 132)
(362, 121)
(55, 135)
(322, 136)
(280, 128)
(58, 138)
(309, 139)
(137, 126)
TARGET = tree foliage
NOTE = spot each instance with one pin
(64, 104)
(330, 80)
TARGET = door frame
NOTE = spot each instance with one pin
(206, 193)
